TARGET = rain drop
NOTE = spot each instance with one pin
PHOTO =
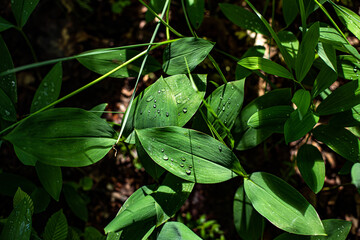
(183, 159)
(355, 69)
(155, 101)
(158, 111)
(162, 150)
(154, 106)
(188, 171)
(190, 166)
(172, 159)
(181, 165)
(185, 110)
(223, 108)
(220, 148)
(159, 91)
(163, 90)
(167, 114)
(165, 157)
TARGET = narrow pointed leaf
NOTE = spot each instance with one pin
(22, 10)
(99, 109)
(339, 140)
(271, 116)
(64, 137)
(350, 19)
(306, 54)
(290, 43)
(19, 196)
(189, 154)
(311, 166)
(176, 230)
(270, 67)
(295, 128)
(56, 227)
(290, 11)
(323, 80)
(328, 54)
(348, 118)
(253, 137)
(282, 205)
(110, 59)
(241, 72)
(195, 50)
(76, 202)
(51, 178)
(348, 66)
(8, 82)
(243, 18)
(195, 10)
(4, 25)
(49, 89)
(302, 100)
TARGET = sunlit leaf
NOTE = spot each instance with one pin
(350, 19)
(176, 230)
(302, 100)
(272, 116)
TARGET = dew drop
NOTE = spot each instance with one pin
(52, 90)
(178, 101)
(45, 84)
(220, 148)
(223, 108)
(183, 159)
(181, 165)
(149, 111)
(163, 90)
(162, 150)
(167, 114)
(185, 110)
(165, 157)
(158, 111)
(154, 106)
(159, 91)
(172, 159)
(190, 166)
(155, 101)
(221, 98)
(188, 171)
(355, 69)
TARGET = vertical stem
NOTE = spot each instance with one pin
(29, 44)
(187, 19)
(167, 21)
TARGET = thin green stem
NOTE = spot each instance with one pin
(217, 68)
(167, 21)
(303, 16)
(29, 44)
(273, 13)
(187, 19)
(123, 124)
(161, 20)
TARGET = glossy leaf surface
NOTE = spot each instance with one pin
(350, 19)
(64, 137)
(176, 230)
(56, 227)
(282, 205)
(22, 10)
(41, 199)
(302, 100)
(348, 66)
(51, 178)
(7, 109)
(328, 54)
(271, 116)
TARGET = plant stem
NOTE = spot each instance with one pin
(167, 21)
(187, 19)
(29, 44)
(217, 68)
(303, 16)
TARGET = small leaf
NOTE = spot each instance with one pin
(176, 230)
(328, 54)
(295, 128)
(194, 50)
(51, 178)
(339, 140)
(41, 199)
(241, 72)
(49, 89)
(195, 10)
(22, 10)
(311, 166)
(189, 154)
(248, 223)
(272, 116)
(306, 54)
(64, 137)
(302, 100)
(253, 137)
(350, 19)
(4, 25)
(342, 99)
(243, 18)
(76, 202)
(8, 82)
(270, 67)
(86, 183)
(19, 196)
(282, 205)
(107, 59)
(99, 109)
(56, 227)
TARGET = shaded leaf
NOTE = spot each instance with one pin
(4, 25)
(295, 128)
(41, 199)
(76, 202)
(92, 233)
(176, 230)
(19, 196)
(8, 82)
(324, 79)
(253, 137)
(302, 100)
(51, 178)
(328, 54)
(290, 43)
(355, 175)
(9, 183)
(56, 227)
(195, 10)
(348, 118)
(99, 109)
(7, 109)
(290, 11)
(22, 10)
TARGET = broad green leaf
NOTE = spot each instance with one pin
(49, 89)
(92, 233)
(253, 137)
(350, 19)
(306, 54)
(51, 178)
(226, 101)
(153, 169)
(176, 230)
(7, 109)
(328, 54)
(324, 79)
(290, 43)
(302, 100)
(290, 11)
(194, 50)
(355, 175)
(270, 67)
(348, 67)
(25, 157)
(339, 140)
(41, 199)
(64, 137)
(18, 224)
(99, 109)
(311, 166)
(22, 10)
(110, 59)
(249, 224)
(189, 154)
(76, 202)
(272, 116)
(56, 227)
(295, 128)
(241, 72)
(243, 18)
(342, 99)
(4, 25)
(195, 10)
(336, 229)
(282, 204)
(19, 196)
(348, 118)
(9, 183)
(8, 82)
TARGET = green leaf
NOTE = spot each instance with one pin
(25, 157)
(108, 60)
(176, 230)
(248, 223)
(350, 19)
(18, 224)
(51, 178)
(272, 116)
(270, 67)
(243, 18)
(194, 50)
(7, 109)
(64, 137)
(76, 202)
(348, 118)
(99, 109)
(253, 137)
(306, 54)
(256, 51)
(290, 43)
(335, 229)
(19, 196)
(49, 89)
(86, 183)
(355, 175)
(189, 154)
(9, 183)
(22, 10)
(328, 54)
(8, 82)
(195, 10)
(290, 11)
(92, 233)
(324, 79)
(4, 25)
(342, 99)
(295, 128)
(56, 227)
(153, 169)
(339, 140)
(311, 166)
(348, 67)
(73, 234)
(41, 199)
(282, 205)
(302, 100)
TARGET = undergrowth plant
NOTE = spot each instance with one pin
(218, 126)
